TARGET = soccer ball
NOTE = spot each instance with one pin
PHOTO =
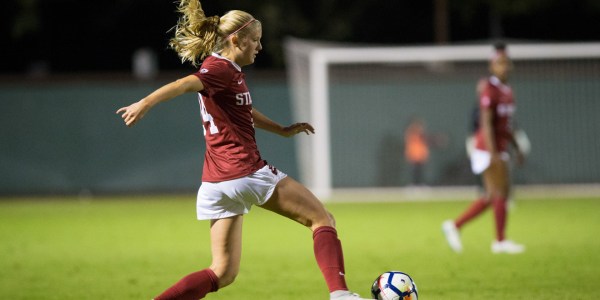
(394, 285)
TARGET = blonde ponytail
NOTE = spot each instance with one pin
(195, 34)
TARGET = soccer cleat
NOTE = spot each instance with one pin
(507, 246)
(452, 236)
(345, 295)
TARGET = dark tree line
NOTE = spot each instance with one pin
(72, 35)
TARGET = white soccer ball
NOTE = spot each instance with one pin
(394, 285)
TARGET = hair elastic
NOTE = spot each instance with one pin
(243, 26)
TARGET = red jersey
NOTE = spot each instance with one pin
(226, 110)
(498, 97)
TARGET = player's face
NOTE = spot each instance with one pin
(250, 46)
(501, 67)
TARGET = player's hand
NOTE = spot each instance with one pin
(298, 128)
(133, 113)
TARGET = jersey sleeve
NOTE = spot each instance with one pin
(486, 96)
(214, 77)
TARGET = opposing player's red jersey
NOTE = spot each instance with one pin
(226, 110)
(498, 97)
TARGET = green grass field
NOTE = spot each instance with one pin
(135, 247)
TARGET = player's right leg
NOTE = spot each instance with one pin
(480, 161)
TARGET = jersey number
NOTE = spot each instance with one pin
(207, 118)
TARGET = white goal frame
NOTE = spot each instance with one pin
(310, 100)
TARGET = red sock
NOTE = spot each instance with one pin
(500, 215)
(192, 287)
(328, 252)
(473, 211)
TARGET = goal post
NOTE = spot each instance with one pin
(308, 70)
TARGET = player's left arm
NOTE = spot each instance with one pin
(263, 122)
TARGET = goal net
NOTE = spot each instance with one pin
(360, 99)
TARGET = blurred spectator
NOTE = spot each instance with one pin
(416, 149)
(417, 144)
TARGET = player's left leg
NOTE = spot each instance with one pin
(226, 246)
(294, 201)
(497, 182)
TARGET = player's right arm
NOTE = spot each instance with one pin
(486, 119)
(133, 113)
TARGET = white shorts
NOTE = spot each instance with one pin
(217, 200)
(480, 160)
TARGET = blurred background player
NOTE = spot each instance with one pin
(234, 176)
(520, 136)
(490, 157)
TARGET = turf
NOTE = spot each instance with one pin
(135, 247)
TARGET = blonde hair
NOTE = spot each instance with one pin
(197, 35)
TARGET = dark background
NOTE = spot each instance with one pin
(67, 36)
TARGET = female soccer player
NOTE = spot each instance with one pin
(490, 155)
(234, 176)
